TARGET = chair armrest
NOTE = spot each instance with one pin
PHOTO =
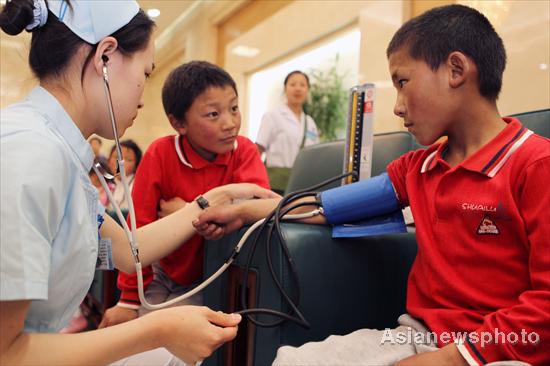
(346, 284)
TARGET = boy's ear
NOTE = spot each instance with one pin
(460, 68)
(178, 125)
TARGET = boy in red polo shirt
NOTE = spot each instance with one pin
(479, 289)
(201, 102)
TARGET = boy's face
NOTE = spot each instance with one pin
(212, 122)
(423, 99)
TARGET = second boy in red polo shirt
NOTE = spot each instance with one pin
(200, 100)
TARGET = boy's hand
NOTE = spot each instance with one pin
(215, 222)
(447, 355)
(117, 315)
(170, 206)
(192, 333)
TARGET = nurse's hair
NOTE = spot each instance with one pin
(294, 73)
(53, 45)
(186, 82)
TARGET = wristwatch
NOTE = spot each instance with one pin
(202, 202)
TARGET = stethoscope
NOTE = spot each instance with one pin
(131, 231)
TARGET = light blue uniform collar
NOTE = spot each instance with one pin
(49, 106)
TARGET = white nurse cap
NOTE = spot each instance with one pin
(94, 20)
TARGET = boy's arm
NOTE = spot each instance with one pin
(168, 207)
(160, 238)
(529, 319)
(216, 222)
(446, 356)
(348, 203)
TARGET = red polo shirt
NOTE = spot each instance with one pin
(171, 168)
(483, 234)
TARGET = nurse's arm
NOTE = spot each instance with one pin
(191, 333)
(160, 238)
(89, 348)
(155, 241)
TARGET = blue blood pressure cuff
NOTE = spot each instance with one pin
(361, 200)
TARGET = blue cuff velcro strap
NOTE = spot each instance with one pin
(360, 200)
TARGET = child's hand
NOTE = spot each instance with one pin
(215, 222)
(170, 206)
(117, 315)
(192, 333)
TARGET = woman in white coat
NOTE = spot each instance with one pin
(285, 130)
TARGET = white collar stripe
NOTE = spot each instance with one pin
(514, 147)
(180, 153)
(427, 162)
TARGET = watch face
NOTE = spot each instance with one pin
(202, 202)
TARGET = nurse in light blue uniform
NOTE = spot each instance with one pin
(49, 208)
(51, 219)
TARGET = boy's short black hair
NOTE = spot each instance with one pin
(432, 36)
(186, 82)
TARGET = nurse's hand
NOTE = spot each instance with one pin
(117, 315)
(193, 333)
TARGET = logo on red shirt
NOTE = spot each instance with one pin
(487, 227)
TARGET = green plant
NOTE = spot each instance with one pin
(327, 103)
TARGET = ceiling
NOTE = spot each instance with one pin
(170, 10)
(14, 70)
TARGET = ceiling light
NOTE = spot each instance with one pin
(543, 66)
(153, 13)
(245, 51)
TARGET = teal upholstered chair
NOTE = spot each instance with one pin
(536, 121)
(317, 163)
